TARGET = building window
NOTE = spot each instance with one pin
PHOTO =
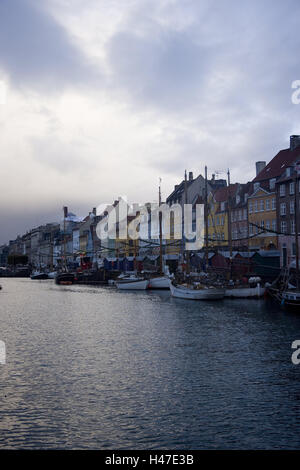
(288, 172)
(267, 204)
(250, 207)
(293, 226)
(256, 186)
(268, 225)
(292, 207)
(292, 187)
(262, 205)
(283, 208)
(274, 225)
(222, 206)
(272, 183)
(273, 204)
(283, 226)
(250, 229)
(282, 190)
(245, 214)
(256, 206)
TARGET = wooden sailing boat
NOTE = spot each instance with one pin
(253, 290)
(194, 290)
(64, 277)
(161, 281)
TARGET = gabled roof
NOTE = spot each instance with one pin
(222, 194)
(278, 164)
(261, 189)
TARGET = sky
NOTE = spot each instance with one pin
(101, 98)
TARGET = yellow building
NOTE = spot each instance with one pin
(261, 219)
(126, 247)
(218, 234)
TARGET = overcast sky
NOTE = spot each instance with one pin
(100, 98)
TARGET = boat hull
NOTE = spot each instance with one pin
(245, 292)
(197, 294)
(161, 282)
(291, 300)
(65, 279)
(39, 276)
(133, 285)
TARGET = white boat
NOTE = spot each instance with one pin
(39, 275)
(196, 293)
(245, 292)
(52, 275)
(291, 299)
(160, 282)
(132, 284)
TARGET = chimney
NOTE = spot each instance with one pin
(190, 176)
(294, 141)
(259, 167)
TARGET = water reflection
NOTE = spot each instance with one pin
(92, 367)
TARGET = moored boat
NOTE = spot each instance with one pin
(196, 292)
(132, 284)
(52, 275)
(65, 278)
(291, 300)
(38, 275)
(159, 282)
(253, 290)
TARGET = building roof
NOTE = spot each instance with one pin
(278, 164)
(222, 194)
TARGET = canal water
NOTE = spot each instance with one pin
(94, 368)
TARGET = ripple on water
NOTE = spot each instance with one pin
(98, 368)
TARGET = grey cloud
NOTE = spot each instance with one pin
(36, 51)
(164, 71)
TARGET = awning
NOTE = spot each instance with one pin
(171, 257)
(152, 257)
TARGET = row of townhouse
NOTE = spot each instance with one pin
(261, 214)
(264, 212)
(255, 216)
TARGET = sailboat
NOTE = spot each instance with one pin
(132, 283)
(65, 277)
(160, 281)
(194, 290)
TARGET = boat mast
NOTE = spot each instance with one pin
(65, 215)
(206, 220)
(229, 223)
(160, 231)
(186, 201)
